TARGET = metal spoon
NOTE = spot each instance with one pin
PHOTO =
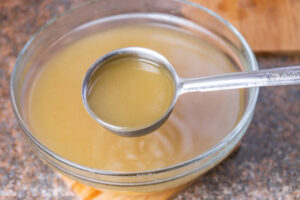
(269, 77)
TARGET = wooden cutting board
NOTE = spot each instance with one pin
(88, 193)
(267, 25)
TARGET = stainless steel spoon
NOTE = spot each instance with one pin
(269, 77)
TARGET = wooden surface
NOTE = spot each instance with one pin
(267, 25)
(88, 193)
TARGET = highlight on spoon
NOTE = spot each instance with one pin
(130, 91)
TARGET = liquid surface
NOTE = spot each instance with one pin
(58, 119)
(130, 93)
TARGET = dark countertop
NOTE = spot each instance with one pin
(267, 165)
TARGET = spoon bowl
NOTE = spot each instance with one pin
(135, 52)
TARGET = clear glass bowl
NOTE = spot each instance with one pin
(102, 14)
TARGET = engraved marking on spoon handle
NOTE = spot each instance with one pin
(268, 77)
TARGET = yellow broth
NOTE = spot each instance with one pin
(130, 92)
(58, 119)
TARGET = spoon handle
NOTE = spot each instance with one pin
(268, 77)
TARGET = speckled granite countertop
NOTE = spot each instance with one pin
(267, 166)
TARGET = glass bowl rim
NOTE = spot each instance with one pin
(244, 119)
